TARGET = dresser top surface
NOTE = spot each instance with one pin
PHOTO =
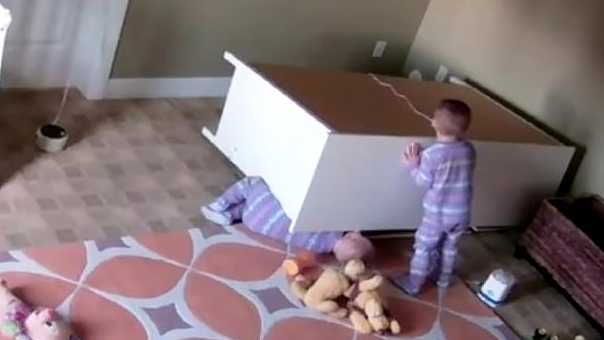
(357, 103)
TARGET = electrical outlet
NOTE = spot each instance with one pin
(380, 47)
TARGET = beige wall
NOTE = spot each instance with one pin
(186, 38)
(544, 56)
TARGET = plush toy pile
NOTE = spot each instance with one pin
(352, 292)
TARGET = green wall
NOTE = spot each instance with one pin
(186, 38)
(544, 56)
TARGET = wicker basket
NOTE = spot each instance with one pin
(566, 239)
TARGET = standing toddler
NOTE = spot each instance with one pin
(446, 170)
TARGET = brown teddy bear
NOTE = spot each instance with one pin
(323, 293)
(364, 305)
(367, 312)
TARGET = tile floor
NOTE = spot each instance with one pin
(140, 165)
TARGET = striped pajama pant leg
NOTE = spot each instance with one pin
(449, 253)
(427, 240)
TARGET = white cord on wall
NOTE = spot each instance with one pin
(402, 96)
(106, 8)
(62, 105)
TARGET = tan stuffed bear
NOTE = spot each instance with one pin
(365, 307)
(330, 285)
(355, 270)
(367, 312)
(374, 317)
(322, 294)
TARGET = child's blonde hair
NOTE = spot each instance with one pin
(458, 116)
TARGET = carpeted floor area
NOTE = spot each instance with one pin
(213, 283)
(131, 166)
(135, 166)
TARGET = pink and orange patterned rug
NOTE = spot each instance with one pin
(212, 283)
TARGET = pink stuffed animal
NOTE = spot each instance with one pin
(21, 322)
(353, 246)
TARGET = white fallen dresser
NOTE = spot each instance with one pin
(329, 145)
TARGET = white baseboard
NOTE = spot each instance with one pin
(167, 87)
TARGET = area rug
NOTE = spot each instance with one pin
(212, 283)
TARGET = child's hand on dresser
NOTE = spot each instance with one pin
(411, 156)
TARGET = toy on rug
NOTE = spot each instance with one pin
(322, 294)
(351, 292)
(367, 307)
(351, 246)
(22, 322)
(295, 266)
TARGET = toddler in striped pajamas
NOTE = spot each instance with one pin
(251, 202)
(446, 170)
